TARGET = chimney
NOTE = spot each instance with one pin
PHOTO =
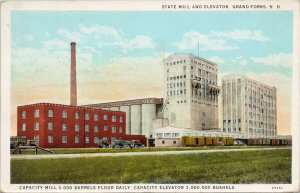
(73, 100)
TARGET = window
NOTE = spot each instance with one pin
(203, 114)
(36, 126)
(50, 126)
(175, 134)
(95, 128)
(105, 117)
(50, 139)
(95, 139)
(87, 140)
(64, 114)
(87, 116)
(159, 135)
(86, 128)
(113, 129)
(23, 126)
(76, 139)
(113, 118)
(64, 139)
(23, 114)
(64, 127)
(167, 135)
(76, 115)
(163, 142)
(96, 117)
(36, 113)
(174, 142)
(50, 113)
(120, 129)
(121, 119)
(105, 127)
(76, 127)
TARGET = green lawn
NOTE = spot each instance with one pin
(146, 149)
(231, 167)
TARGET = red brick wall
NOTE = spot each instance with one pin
(57, 121)
(142, 138)
(30, 120)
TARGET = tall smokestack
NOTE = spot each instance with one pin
(73, 75)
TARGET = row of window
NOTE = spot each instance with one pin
(261, 107)
(176, 77)
(176, 62)
(179, 84)
(173, 93)
(234, 129)
(259, 92)
(203, 65)
(183, 61)
(207, 104)
(65, 115)
(167, 135)
(64, 127)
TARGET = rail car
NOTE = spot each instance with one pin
(190, 141)
(205, 141)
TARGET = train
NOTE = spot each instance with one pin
(190, 141)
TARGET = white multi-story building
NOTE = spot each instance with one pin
(248, 107)
(190, 92)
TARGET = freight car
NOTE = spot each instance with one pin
(190, 141)
(268, 141)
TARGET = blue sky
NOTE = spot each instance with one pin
(123, 50)
(276, 26)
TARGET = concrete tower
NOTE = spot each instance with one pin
(249, 107)
(191, 92)
(73, 98)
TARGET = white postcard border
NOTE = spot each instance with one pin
(9, 6)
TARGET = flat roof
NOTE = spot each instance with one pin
(127, 103)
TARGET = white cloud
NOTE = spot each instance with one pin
(55, 44)
(139, 41)
(104, 36)
(46, 66)
(243, 62)
(239, 60)
(100, 31)
(238, 34)
(217, 59)
(28, 37)
(190, 40)
(70, 36)
(279, 59)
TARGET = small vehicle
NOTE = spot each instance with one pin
(103, 143)
(120, 144)
(31, 143)
(136, 144)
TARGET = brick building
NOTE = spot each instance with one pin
(64, 126)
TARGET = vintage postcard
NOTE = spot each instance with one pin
(150, 96)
